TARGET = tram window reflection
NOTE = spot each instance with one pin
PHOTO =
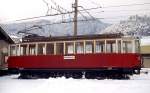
(32, 49)
(111, 46)
(79, 47)
(41, 49)
(127, 47)
(119, 46)
(23, 50)
(59, 48)
(137, 47)
(50, 48)
(17, 50)
(69, 48)
(100, 47)
(12, 50)
(89, 47)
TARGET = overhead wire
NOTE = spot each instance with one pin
(81, 20)
(116, 6)
(83, 15)
(124, 10)
(87, 12)
(61, 9)
(88, 9)
(93, 2)
(47, 7)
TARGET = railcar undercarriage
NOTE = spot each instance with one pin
(77, 73)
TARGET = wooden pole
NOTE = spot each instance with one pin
(75, 17)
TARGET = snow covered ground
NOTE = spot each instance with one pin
(137, 84)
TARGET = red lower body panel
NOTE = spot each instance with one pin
(77, 61)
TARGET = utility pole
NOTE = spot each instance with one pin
(75, 17)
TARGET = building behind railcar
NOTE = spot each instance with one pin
(5, 40)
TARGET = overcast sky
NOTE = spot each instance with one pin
(18, 9)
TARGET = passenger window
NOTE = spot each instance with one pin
(89, 47)
(127, 46)
(50, 49)
(17, 50)
(119, 46)
(41, 49)
(12, 50)
(79, 47)
(23, 50)
(69, 48)
(59, 48)
(32, 49)
(111, 46)
(137, 46)
(100, 47)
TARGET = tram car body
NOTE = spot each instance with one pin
(75, 56)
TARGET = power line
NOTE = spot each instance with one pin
(123, 10)
(87, 12)
(83, 15)
(93, 2)
(62, 22)
(83, 20)
(32, 28)
(116, 6)
(46, 16)
(60, 7)
(47, 7)
(70, 12)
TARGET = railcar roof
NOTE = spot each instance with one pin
(70, 38)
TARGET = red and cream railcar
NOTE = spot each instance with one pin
(79, 54)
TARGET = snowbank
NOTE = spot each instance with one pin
(137, 84)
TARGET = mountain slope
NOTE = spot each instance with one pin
(135, 25)
(85, 27)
